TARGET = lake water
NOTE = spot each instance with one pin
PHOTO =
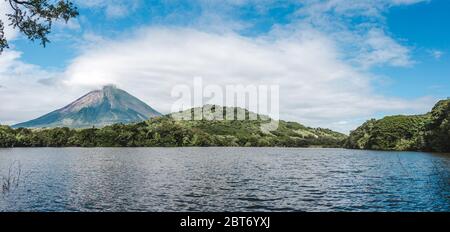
(225, 179)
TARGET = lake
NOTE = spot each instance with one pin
(224, 179)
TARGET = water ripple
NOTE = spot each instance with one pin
(226, 179)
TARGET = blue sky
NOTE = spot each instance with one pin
(349, 60)
(424, 27)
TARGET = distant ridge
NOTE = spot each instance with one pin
(98, 108)
(169, 131)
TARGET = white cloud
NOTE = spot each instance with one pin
(407, 2)
(437, 54)
(112, 8)
(317, 88)
(25, 91)
(72, 24)
(358, 7)
(10, 32)
(366, 43)
(379, 48)
(317, 61)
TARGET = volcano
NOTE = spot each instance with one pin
(98, 108)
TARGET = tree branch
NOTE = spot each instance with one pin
(34, 18)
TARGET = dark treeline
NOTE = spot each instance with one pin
(167, 132)
(428, 132)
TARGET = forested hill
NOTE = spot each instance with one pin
(166, 131)
(428, 132)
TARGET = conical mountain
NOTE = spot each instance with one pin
(98, 108)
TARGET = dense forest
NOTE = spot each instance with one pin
(428, 132)
(166, 131)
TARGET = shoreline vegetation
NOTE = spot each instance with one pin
(428, 132)
(166, 131)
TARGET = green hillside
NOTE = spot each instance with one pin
(437, 130)
(166, 131)
(429, 132)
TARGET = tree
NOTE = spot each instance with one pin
(7, 136)
(3, 42)
(34, 18)
(437, 134)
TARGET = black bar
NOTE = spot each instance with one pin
(277, 221)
